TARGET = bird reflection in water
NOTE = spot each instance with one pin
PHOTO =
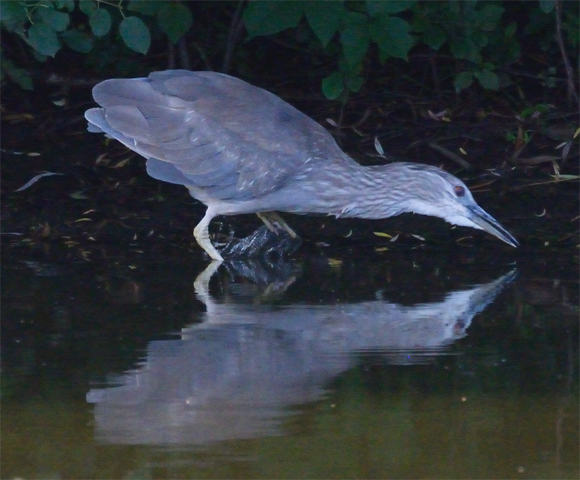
(235, 374)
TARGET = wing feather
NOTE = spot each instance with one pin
(217, 132)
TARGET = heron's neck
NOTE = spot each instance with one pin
(367, 192)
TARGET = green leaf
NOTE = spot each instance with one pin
(78, 41)
(462, 81)
(489, 16)
(65, 5)
(88, 7)
(174, 19)
(487, 79)
(43, 39)
(510, 30)
(100, 22)
(268, 18)
(459, 48)
(454, 10)
(332, 86)
(465, 48)
(135, 34)
(19, 75)
(479, 39)
(22, 78)
(392, 36)
(13, 15)
(145, 7)
(382, 7)
(434, 36)
(324, 18)
(571, 27)
(420, 24)
(547, 5)
(354, 84)
(355, 38)
(58, 21)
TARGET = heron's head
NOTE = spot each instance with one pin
(432, 191)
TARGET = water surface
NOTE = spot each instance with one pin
(152, 363)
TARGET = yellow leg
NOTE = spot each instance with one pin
(270, 218)
(202, 236)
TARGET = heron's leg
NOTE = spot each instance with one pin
(202, 236)
(201, 284)
(269, 218)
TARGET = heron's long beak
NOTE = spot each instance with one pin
(486, 222)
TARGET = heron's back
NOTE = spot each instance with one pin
(213, 133)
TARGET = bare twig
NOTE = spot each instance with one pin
(450, 155)
(184, 60)
(560, 39)
(233, 35)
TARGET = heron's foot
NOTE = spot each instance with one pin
(263, 242)
(275, 223)
(202, 236)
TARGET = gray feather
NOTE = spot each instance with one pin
(216, 131)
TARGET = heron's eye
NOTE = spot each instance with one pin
(459, 191)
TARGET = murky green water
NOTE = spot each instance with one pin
(128, 363)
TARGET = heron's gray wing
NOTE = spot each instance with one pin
(217, 132)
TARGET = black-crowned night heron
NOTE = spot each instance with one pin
(240, 149)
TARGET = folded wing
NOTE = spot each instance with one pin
(211, 131)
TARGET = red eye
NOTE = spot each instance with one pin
(459, 191)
